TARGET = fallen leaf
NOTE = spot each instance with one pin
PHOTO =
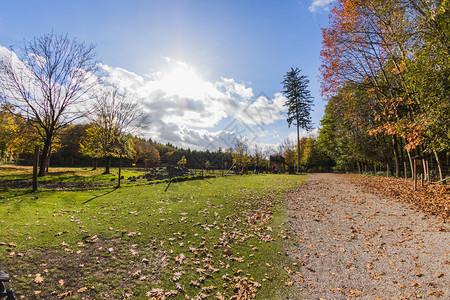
(38, 279)
(353, 293)
(65, 294)
(310, 268)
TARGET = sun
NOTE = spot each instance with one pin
(183, 81)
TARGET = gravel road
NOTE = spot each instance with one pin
(353, 244)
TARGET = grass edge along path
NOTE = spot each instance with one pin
(218, 239)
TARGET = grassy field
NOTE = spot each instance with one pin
(223, 237)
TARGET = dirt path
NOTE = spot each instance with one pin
(356, 244)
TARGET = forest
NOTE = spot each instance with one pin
(386, 76)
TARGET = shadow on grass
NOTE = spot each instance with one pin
(93, 198)
(15, 195)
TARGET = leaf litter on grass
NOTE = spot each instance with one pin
(198, 239)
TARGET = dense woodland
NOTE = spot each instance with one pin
(386, 76)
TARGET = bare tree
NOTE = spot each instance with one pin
(46, 83)
(116, 117)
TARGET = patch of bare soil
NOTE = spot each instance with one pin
(104, 269)
(355, 244)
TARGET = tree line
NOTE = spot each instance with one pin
(82, 145)
(386, 75)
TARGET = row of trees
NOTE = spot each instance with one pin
(386, 74)
(86, 144)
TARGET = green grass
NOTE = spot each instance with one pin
(215, 236)
(65, 175)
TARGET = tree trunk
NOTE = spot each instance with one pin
(95, 164)
(396, 156)
(43, 162)
(411, 165)
(35, 168)
(441, 177)
(298, 148)
(107, 165)
(402, 161)
(120, 169)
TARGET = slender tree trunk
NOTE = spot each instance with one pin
(441, 177)
(411, 164)
(120, 170)
(35, 168)
(107, 165)
(396, 156)
(298, 148)
(402, 161)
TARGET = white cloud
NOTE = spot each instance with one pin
(318, 5)
(184, 107)
(261, 111)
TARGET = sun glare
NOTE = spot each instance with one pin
(183, 81)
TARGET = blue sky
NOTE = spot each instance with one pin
(206, 71)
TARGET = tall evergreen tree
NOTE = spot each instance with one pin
(299, 102)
